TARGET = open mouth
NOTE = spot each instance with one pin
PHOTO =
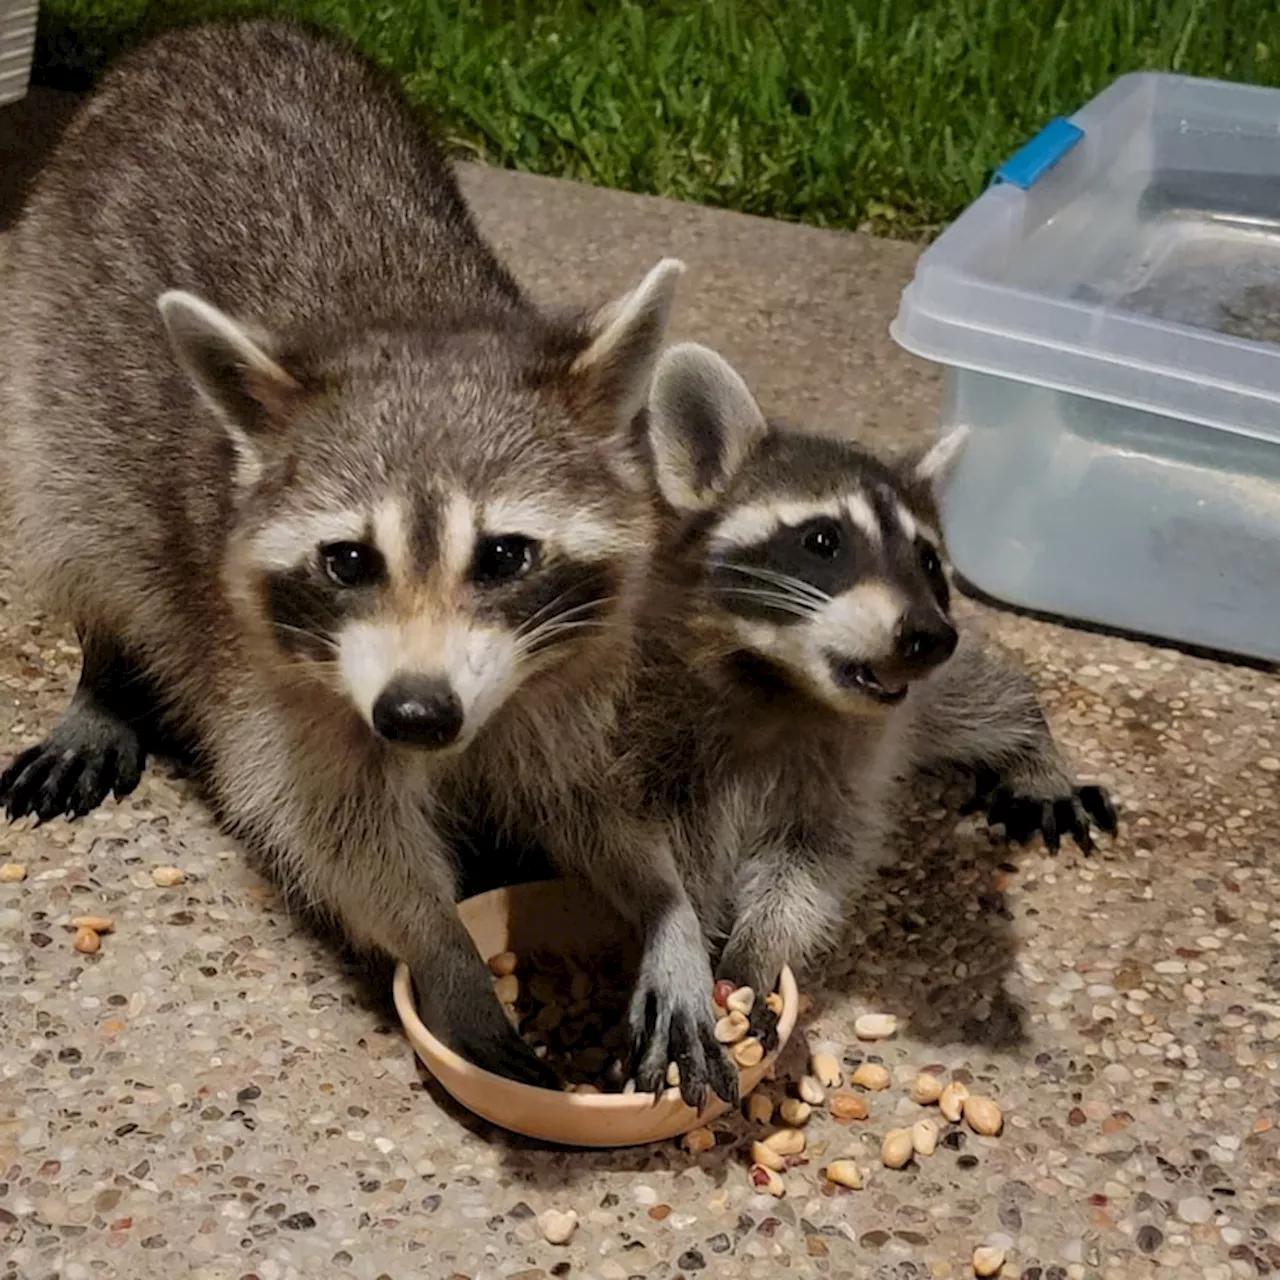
(860, 676)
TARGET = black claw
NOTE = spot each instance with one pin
(1099, 807)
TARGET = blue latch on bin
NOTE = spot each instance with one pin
(1034, 159)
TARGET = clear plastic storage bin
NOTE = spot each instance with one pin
(1109, 319)
(17, 47)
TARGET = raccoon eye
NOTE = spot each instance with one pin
(929, 561)
(503, 558)
(352, 564)
(822, 539)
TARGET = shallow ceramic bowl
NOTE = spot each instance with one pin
(562, 917)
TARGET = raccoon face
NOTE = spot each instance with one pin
(429, 523)
(821, 571)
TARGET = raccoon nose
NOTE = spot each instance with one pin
(418, 712)
(922, 648)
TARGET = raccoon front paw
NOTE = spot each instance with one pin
(89, 755)
(1024, 815)
(487, 1040)
(670, 1025)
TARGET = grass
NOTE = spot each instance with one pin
(842, 113)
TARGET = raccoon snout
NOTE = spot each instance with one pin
(921, 647)
(418, 711)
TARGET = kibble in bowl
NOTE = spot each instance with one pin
(571, 958)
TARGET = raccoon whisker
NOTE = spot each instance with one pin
(309, 636)
(541, 618)
(784, 580)
(775, 600)
(540, 635)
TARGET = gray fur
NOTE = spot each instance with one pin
(352, 347)
(778, 791)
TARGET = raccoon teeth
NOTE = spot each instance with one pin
(860, 676)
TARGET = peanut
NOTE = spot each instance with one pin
(557, 1227)
(848, 1106)
(826, 1069)
(748, 1053)
(773, 1002)
(795, 1111)
(732, 1027)
(767, 1156)
(845, 1173)
(926, 1089)
(811, 1091)
(167, 877)
(99, 924)
(742, 1001)
(86, 941)
(924, 1137)
(987, 1261)
(507, 988)
(875, 1026)
(673, 1076)
(12, 872)
(766, 1180)
(503, 964)
(897, 1148)
(951, 1100)
(983, 1116)
(698, 1140)
(786, 1142)
(759, 1108)
(871, 1075)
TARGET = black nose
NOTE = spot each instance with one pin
(924, 647)
(419, 712)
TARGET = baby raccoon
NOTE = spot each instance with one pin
(323, 494)
(805, 661)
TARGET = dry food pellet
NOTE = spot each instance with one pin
(558, 1227)
(786, 1142)
(99, 924)
(897, 1148)
(698, 1140)
(875, 1026)
(507, 988)
(86, 941)
(848, 1106)
(811, 1091)
(924, 1137)
(766, 1180)
(759, 1108)
(767, 1156)
(926, 1089)
(951, 1100)
(502, 964)
(983, 1116)
(871, 1075)
(825, 1069)
(795, 1112)
(845, 1173)
(748, 1052)
(12, 872)
(167, 877)
(987, 1261)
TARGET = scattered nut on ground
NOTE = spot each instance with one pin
(99, 924)
(748, 1052)
(926, 1089)
(897, 1148)
(786, 1142)
(767, 1156)
(167, 877)
(795, 1112)
(558, 1227)
(759, 1108)
(875, 1026)
(811, 1091)
(502, 964)
(86, 941)
(987, 1261)
(845, 1173)
(924, 1137)
(12, 872)
(951, 1100)
(697, 1140)
(871, 1075)
(983, 1115)
(766, 1180)
(848, 1106)
(826, 1070)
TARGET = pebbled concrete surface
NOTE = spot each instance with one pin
(213, 1095)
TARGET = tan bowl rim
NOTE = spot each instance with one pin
(403, 993)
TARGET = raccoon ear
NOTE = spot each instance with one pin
(703, 421)
(230, 369)
(934, 467)
(624, 338)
